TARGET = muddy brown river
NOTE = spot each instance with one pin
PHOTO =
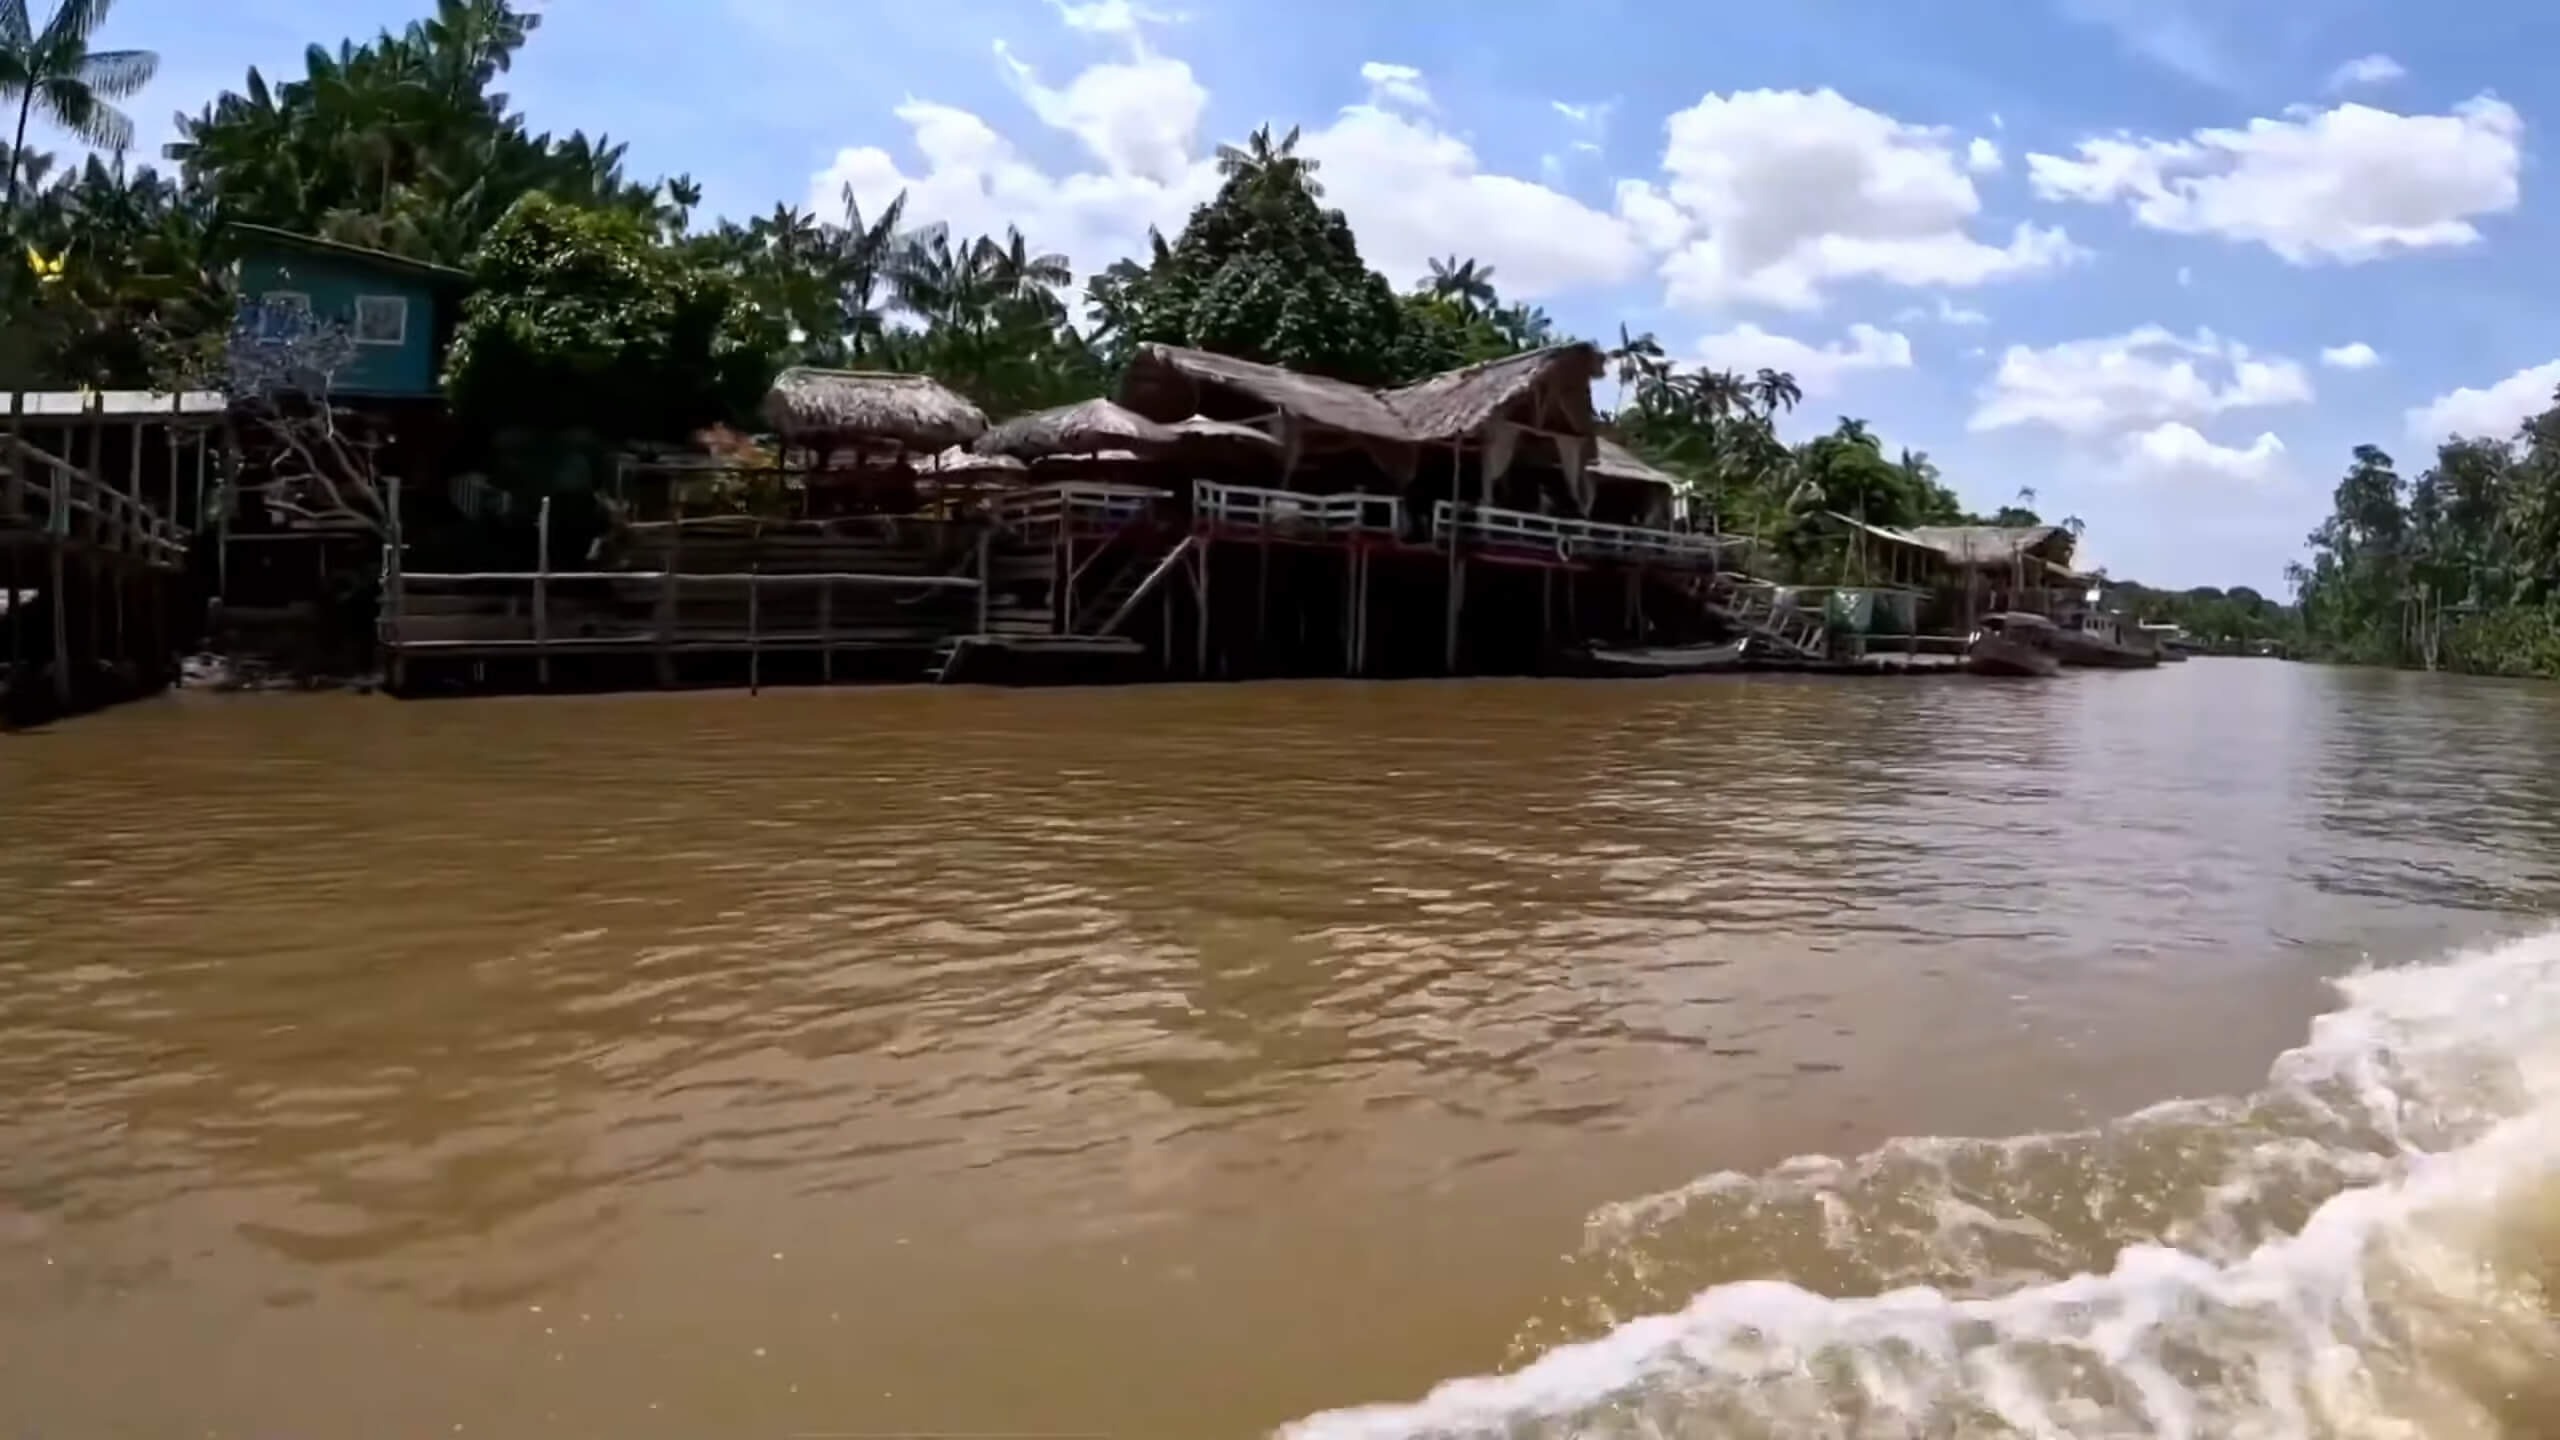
(2152, 1053)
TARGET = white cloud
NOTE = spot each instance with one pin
(1395, 85)
(1947, 312)
(1138, 117)
(1982, 157)
(2493, 413)
(1770, 197)
(2143, 379)
(2366, 70)
(1747, 348)
(2175, 450)
(2348, 184)
(1109, 17)
(2165, 32)
(974, 180)
(1411, 189)
(2355, 355)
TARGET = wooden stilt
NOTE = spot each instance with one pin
(542, 594)
(668, 601)
(1457, 610)
(1201, 657)
(395, 590)
(827, 627)
(58, 600)
(986, 576)
(1262, 610)
(1546, 616)
(1351, 611)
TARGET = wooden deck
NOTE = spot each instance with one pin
(100, 495)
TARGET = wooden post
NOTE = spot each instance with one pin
(1262, 608)
(1457, 606)
(57, 599)
(1546, 615)
(1351, 609)
(395, 587)
(1368, 569)
(1202, 586)
(542, 594)
(755, 625)
(667, 602)
(986, 577)
(827, 631)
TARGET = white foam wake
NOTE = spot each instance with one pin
(2360, 1248)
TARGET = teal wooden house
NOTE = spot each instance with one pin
(382, 320)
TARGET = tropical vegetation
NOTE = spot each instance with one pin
(2458, 568)
(604, 309)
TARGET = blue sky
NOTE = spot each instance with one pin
(2161, 261)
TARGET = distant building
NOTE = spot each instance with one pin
(389, 316)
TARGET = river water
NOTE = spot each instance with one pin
(1415, 1059)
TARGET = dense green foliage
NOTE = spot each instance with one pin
(2460, 567)
(1264, 272)
(579, 320)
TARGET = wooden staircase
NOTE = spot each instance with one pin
(1131, 569)
(1753, 608)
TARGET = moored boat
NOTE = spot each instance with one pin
(1661, 659)
(2098, 640)
(2014, 645)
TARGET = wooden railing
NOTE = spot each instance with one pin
(1568, 538)
(1040, 514)
(1288, 513)
(39, 491)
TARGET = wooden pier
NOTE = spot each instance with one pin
(100, 495)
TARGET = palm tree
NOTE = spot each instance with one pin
(1265, 164)
(1775, 390)
(1464, 281)
(2026, 497)
(872, 254)
(1636, 357)
(54, 72)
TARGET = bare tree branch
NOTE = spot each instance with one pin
(284, 366)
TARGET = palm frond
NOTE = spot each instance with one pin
(73, 22)
(72, 106)
(117, 74)
(15, 32)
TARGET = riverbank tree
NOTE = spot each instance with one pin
(2458, 568)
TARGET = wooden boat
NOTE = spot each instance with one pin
(2097, 640)
(2175, 645)
(2019, 646)
(1660, 660)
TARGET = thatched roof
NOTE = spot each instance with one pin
(810, 406)
(1979, 546)
(960, 460)
(1202, 428)
(1617, 462)
(1459, 402)
(1167, 379)
(1081, 429)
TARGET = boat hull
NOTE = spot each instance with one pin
(2079, 647)
(2015, 659)
(1661, 660)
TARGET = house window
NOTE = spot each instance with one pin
(382, 320)
(283, 314)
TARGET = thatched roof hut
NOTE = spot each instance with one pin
(829, 408)
(1089, 428)
(1549, 388)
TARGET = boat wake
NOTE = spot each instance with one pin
(2364, 1246)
